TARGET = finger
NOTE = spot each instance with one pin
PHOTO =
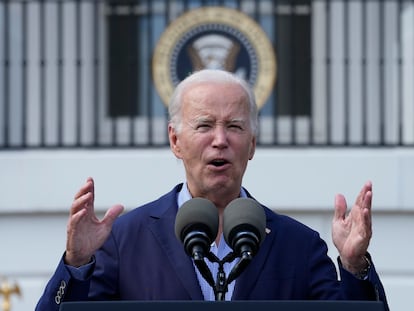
(112, 214)
(84, 198)
(368, 221)
(367, 200)
(363, 207)
(361, 196)
(368, 195)
(366, 210)
(87, 187)
(85, 202)
(76, 218)
(340, 207)
(92, 189)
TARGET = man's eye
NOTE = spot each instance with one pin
(203, 126)
(236, 126)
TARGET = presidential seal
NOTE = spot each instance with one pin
(215, 38)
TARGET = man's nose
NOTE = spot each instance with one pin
(220, 137)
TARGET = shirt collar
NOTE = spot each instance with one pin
(184, 195)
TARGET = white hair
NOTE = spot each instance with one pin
(211, 76)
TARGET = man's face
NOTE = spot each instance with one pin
(216, 140)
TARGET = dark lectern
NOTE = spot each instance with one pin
(262, 305)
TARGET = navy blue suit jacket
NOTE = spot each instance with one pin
(143, 260)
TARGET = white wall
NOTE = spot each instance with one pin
(38, 187)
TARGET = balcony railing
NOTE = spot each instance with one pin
(76, 74)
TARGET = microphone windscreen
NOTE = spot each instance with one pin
(197, 214)
(244, 214)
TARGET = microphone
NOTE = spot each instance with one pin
(244, 229)
(196, 226)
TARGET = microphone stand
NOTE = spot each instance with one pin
(220, 286)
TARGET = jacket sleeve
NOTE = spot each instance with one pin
(62, 287)
(369, 289)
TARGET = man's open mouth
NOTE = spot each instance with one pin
(219, 162)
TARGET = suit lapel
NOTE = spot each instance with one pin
(162, 226)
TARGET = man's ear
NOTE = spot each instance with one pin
(172, 136)
(252, 148)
